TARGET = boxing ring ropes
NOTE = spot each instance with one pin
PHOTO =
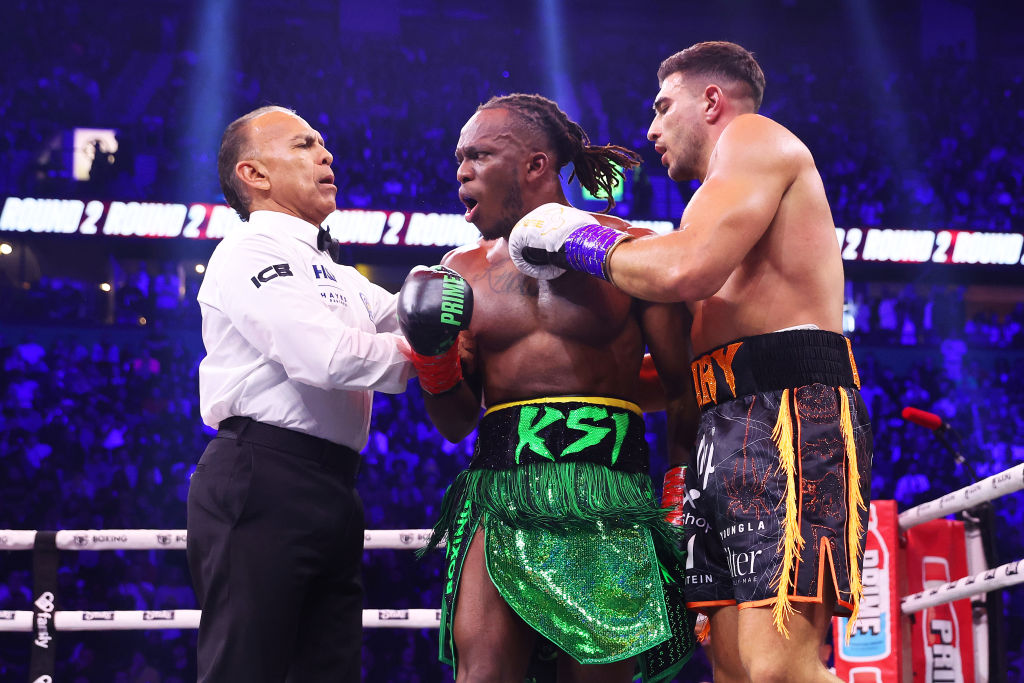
(45, 618)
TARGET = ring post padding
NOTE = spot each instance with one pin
(45, 561)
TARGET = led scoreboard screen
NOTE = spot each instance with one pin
(200, 221)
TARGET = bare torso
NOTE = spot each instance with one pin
(573, 335)
(792, 276)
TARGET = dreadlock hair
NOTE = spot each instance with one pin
(593, 165)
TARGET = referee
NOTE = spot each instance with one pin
(296, 346)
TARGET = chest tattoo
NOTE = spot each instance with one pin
(502, 278)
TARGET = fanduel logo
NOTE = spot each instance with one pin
(44, 603)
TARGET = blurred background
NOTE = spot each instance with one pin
(111, 113)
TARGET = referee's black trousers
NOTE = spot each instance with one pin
(275, 540)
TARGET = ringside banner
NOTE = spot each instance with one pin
(875, 649)
(942, 642)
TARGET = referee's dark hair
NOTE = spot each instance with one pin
(235, 145)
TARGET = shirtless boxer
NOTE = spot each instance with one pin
(775, 503)
(553, 529)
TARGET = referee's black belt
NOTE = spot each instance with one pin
(330, 455)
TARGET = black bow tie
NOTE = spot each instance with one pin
(323, 238)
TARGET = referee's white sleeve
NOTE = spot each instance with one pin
(286, 319)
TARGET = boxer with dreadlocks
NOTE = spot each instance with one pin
(554, 537)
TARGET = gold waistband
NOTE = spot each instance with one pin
(596, 400)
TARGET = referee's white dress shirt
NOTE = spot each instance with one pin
(292, 338)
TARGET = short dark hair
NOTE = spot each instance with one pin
(718, 59)
(235, 145)
(593, 165)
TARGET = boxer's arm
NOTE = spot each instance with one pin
(651, 397)
(756, 161)
(666, 328)
(456, 413)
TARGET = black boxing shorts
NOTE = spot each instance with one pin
(777, 491)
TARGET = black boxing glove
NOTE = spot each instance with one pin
(434, 305)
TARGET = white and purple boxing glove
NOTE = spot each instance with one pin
(554, 238)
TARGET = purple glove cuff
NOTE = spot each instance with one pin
(587, 248)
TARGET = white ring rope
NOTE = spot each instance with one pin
(174, 539)
(1008, 574)
(135, 620)
(985, 490)
(997, 485)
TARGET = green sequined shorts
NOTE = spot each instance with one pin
(574, 539)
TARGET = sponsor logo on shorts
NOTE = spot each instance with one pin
(705, 383)
(698, 579)
(532, 422)
(705, 454)
(690, 521)
(454, 544)
(742, 565)
(7, 615)
(741, 528)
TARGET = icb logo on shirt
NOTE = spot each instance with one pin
(270, 272)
